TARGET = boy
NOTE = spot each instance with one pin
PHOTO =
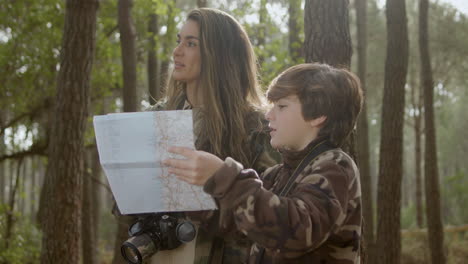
(308, 209)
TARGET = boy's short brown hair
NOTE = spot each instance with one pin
(323, 91)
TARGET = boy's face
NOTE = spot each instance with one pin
(289, 130)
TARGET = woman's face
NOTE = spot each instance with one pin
(187, 58)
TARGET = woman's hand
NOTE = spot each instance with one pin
(197, 168)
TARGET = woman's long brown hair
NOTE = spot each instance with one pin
(228, 89)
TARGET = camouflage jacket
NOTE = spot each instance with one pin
(215, 246)
(319, 220)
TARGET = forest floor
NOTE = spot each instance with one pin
(415, 246)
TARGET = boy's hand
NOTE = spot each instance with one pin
(196, 169)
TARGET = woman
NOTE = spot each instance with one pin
(215, 74)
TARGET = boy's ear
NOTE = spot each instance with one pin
(318, 122)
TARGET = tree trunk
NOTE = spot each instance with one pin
(326, 29)
(127, 41)
(362, 135)
(327, 40)
(168, 44)
(2, 164)
(434, 220)
(62, 211)
(391, 144)
(22, 187)
(262, 17)
(33, 199)
(202, 3)
(10, 220)
(127, 45)
(96, 194)
(416, 101)
(89, 242)
(295, 44)
(154, 93)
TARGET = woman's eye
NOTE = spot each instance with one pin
(281, 106)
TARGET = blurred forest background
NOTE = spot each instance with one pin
(132, 53)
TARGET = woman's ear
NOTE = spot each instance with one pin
(318, 122)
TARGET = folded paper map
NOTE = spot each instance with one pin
(131, 149)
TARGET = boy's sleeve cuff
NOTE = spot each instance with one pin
(223, 179)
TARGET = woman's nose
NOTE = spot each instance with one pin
(268, 114)
(177, 50)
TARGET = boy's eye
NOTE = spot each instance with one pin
(191, 44)
(178, 41)
(281, 106)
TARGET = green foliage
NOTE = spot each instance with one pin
(25, 243)
(408, 216)
(30, 51)
(455, 193)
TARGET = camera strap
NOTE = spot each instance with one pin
(314, 153)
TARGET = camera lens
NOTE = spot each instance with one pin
(131, 253)
(185, 232)
(137, 248)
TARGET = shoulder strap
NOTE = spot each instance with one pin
(316, 151)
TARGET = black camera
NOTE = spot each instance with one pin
(154, 232)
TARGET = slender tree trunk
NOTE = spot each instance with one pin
(295, 44)
(391, 144)
(3, 167)
(262, 14)
(168, 44)
(96, 194)
(434, 219)
(34, 189)
(2, 164)
(362, 134)
(89, 242)
(202, 3)
(416, 100)
(127, 41)
(22, 187)
(62, 211)
(10, 221)
(154, 93)
(128, 50)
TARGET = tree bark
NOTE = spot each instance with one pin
(62, 211)
(127, 46)
(127, 42)
(362, 135)
(96, 193)
(2, 164)
(431, 171)
(262, 19)
(391, 144)
(202, 3)
(327, 38)
(153, 87)
(416, 101)
(295, 44)
(167, 44)
(32, 197)
(89, 242)
(10, 220)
